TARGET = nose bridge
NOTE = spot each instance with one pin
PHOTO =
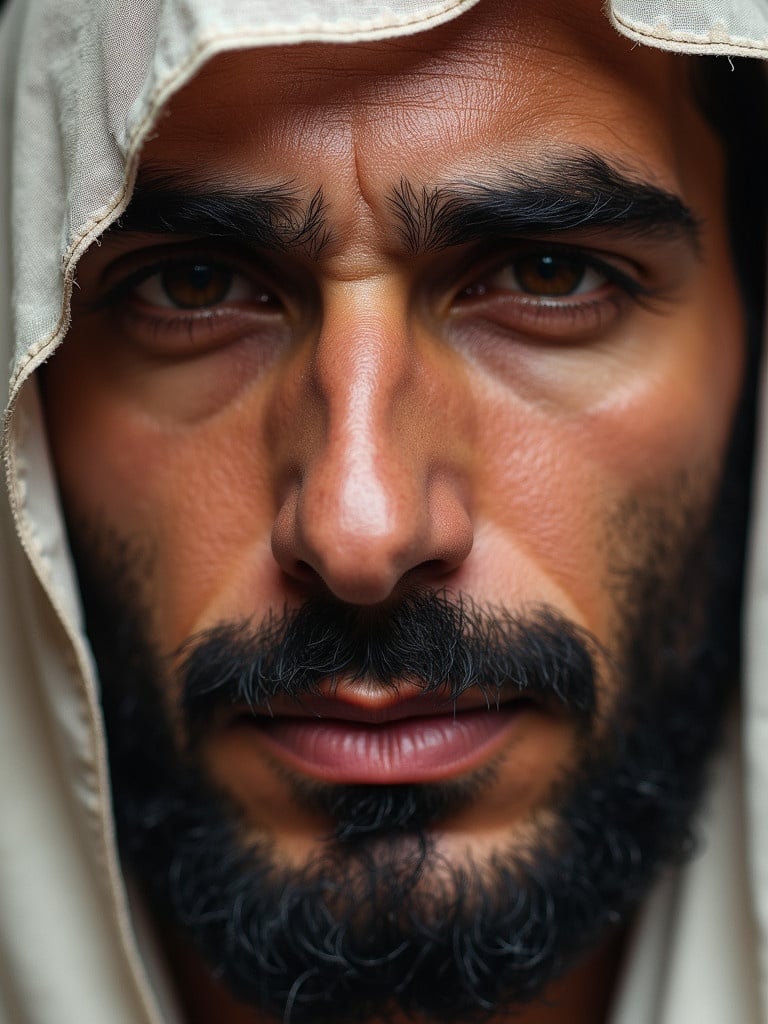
(373, 495)
(364, 371)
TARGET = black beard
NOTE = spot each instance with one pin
(378, 921)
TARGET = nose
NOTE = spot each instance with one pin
(372, 443)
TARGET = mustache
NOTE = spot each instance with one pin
(446, 644)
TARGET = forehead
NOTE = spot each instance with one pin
(504, 83)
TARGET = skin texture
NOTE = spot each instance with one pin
(388, 420)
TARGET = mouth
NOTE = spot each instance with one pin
(362, 737)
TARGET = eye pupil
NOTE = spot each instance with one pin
(548, 275)
(196, 285)
(548, 267)
(200, 276)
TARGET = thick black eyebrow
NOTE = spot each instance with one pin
(273, 217)
(575, 193)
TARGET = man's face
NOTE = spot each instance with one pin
(474, 332)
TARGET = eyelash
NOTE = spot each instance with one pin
(567, 254)
(563, 317)
(123, 289)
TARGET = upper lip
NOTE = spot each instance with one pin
(366, 703)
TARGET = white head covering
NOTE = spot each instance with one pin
(81, 84)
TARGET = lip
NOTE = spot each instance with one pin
(357, 703)
(385, 739)
(358, 700)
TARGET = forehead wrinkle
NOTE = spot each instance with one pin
(364, 93)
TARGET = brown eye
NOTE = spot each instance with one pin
(196, 285)
(549, 276)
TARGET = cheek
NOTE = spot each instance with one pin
(207, 505)
(678, 416)
(559, 464)
(195, 498)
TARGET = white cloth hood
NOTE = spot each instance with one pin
(81, 83)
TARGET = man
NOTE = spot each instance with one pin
(400, 431)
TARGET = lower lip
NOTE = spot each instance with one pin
(409, 750)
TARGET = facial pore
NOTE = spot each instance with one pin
(379, 921)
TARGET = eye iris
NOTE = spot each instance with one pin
(549, 275)
(196, 285)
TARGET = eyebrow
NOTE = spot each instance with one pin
(580, 192)
(574, 193)
(271, 217)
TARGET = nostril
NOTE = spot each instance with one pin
(432, 568)
(431, 565)
(303, 571)
(315, 544)
(432, 572)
